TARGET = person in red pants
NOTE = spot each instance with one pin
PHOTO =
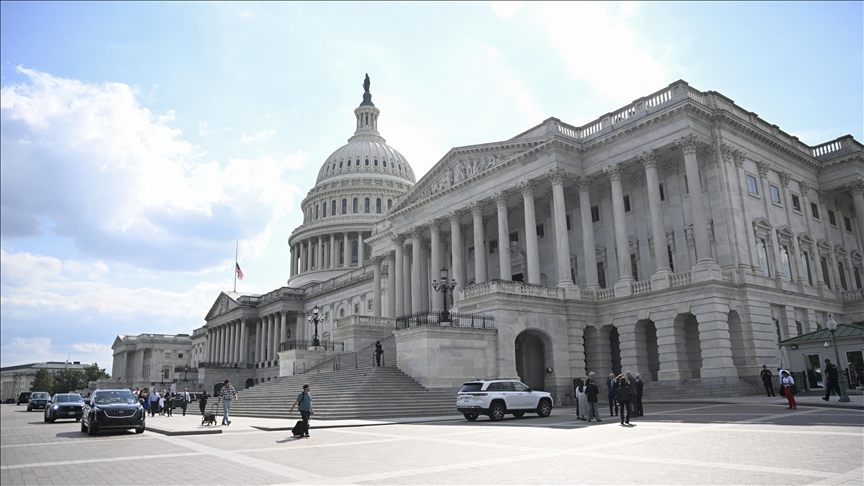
(788, 381)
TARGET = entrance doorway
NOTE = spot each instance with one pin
(531, 360)
(854, 363)
(814, 370)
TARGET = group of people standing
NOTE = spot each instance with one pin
(624, 393)
(161, 403)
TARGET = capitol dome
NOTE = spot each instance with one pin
(357, 186)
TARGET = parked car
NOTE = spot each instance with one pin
(23, 397)
(496, 398)
(9, 400)
(38, 400)
(112, 410)
(63, 406)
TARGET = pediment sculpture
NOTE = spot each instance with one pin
(462, 170)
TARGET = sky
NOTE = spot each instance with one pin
(141, 141)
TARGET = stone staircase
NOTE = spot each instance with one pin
(366, 391)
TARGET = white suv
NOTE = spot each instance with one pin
(496, 398)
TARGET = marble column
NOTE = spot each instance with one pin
(334, 258)
(260, 339)
(456, 248)
(376, 286)
(506, 270)
(346, 251)
(303, 256)
(361, 258)
(589, 260)
(688, 146)
(416, 273)
(283, 329)
(435, 244)
(274, 337)
(479, 242)
(406, 272)
(622, 243)
(397, 275)
(559, 217)
(235, 342)
(856, 187)
(391, 285)
(425, 280)
(655, 206)
(533, 255)
(291, 272)
(243, 341)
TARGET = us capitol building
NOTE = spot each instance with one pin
(680, 237)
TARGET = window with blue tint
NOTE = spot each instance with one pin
(378, 205)
(752, 186)
(775, 194)
(356, 208)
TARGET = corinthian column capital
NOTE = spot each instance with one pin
(527, 188)
(398, 239)
(500, 198)
(583, 184)
(557, 176)
(856, 187)
(688, 144)
(476, 208)
(648, 159)
(613, 171)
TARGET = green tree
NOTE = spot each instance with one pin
(66, 381)
(44, 381)
(94, 373)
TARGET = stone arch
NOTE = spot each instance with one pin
(533, 348)
(602, 350)
(250, 383)
(689, 346)
(647, 349)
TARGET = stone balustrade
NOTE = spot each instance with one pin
(512, 288)
(641, 287)
(364, 321)
(852, 295)
(680, 279)
(605, 294)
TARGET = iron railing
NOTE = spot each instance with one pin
(438, 318)
(306, 344)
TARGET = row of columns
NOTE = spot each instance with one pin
(322, 252)
(228, 342)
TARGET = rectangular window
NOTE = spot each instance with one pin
(825, 277)
(796, 203)
(842, 272)
(595, 214)
(368, 305)
(627, 203)
(514, 239)
(814, 208)
(784, 255)
(832, 218)
(541, 231)
(470, 253)
(569, 225)
(356, 308)
(168, 355)
(180, 356)
(763, 256)
(775, 194)
(752, 186)
(857, 273)
(601, 275)
(848, 223)
(805, 260)
(671, 260)
(493, 246)
(662, 192)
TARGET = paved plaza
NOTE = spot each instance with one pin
(744, 441)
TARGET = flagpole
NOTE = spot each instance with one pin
(236, 249)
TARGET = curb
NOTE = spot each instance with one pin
(347, 426)
(167, 432)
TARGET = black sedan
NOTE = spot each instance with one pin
(64, 406)
(112, 410)
(38, 400)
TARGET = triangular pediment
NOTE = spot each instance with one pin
(118, 341)
(841, 251)
(761, 223)
(223, 304)
(856, 256)
(460, 166)
(784, 231)
(805, 238)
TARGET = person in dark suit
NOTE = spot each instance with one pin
(640, 386)
(632, 380)
(612, 394)
(379, 350)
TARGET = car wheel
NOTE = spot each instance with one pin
(139, 430)
(92, 429)
(471, 416)
(544, 409)
(496, 412)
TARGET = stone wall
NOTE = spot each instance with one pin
(446, 357)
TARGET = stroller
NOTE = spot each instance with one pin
(209, 417)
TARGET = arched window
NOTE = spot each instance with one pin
(340, 164)
(389, 204)
(375, 162)
(367, 163)
(354, 251)
(356, 206)
(385, 163)
(399, 166)
(366, 205)
(357, 163)
(344, 206)
(325, 209)
(316, 211)
(378, 205)
(333, 208)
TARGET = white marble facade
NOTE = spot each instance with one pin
(680, 237)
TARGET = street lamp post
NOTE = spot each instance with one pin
(443, 287)
(832, 326)
(185, 372)
(313, 319)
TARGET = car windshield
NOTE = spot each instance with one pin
(39, 395)
(471, 387)
(111, 397)
(68, 397)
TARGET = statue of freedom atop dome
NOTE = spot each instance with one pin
(366, 83)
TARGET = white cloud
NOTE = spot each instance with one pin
(202, 129)
(600, 47)
(92, 348)
(258, 137)
(27, 350)
(122, 182)
(505, 10)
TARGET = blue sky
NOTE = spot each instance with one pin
(141, 140)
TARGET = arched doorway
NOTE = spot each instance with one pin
(217, 388)
(738, 342)
(250, 383)
(647, 347)
(531, 359)
(693, 345)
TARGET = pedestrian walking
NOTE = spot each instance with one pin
(169, 403)
(612, 394)
(304, 404)
(831, 379)
(767, 380)
(591, 393)
(202, 402)
(379, 350)
(184, 401)
(226, 395)
(161, 403)
(789, 385)
(153, 398)
(640, 388)
(581, 399)
(624, 398)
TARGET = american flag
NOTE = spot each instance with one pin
(237, 269)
